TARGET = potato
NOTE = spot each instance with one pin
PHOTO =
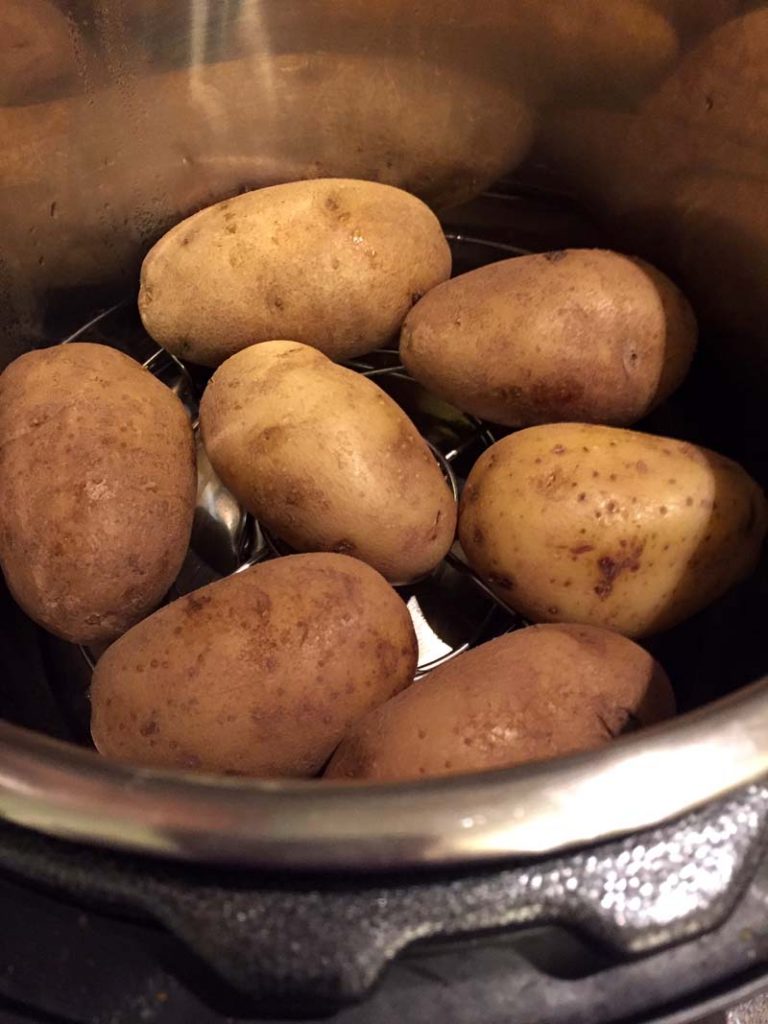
(589, 524)
(326, 460)
(697, 205)
(98, 481)
(334, 263)
(530, 695)
(258, 674)
(581, 334)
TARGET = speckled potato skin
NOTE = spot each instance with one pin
(326, 460)
(581, 523)
(579, 334)
(334, 263)
(98, 485)
(538, 693)
(259, 674)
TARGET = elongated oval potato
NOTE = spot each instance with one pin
(98, 485)
(530, 695)
(326, 460)
(581, 334)
(258, 674)
(335, 263)
(580, 523)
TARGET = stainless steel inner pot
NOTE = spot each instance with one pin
(121, 116)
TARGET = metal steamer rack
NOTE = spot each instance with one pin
(451, 608)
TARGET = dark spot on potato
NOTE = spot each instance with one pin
(662, 510)
(537, 462)
(262, 605)
(641, 466)
(611, 506)
(583, 496)
(612, 476)
(582, 549)
(559, 449)
(501, 581)
(416, 297)
(556, 256)
(196, 603)
(190, 761)
(331, 203)
(611, 568)
(478, 536)
(150, 727)
(595, 474)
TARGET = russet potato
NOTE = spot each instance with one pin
(258, 674)
(98, 485)
(537, 693)
(580, 334)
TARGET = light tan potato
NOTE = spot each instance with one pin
(589, 524)
(581, 334)
(530, 695)
(258, 674)
(334, 263)
(326, 460)
(98, 484)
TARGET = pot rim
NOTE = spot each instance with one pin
(633, 784)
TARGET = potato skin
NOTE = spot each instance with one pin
(98, 484)
(537, 693)
(589, 524)
(580, 334)
(326, 460)
(258, 674)
(335, 263)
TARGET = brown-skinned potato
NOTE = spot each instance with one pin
(98, 484)
(590, 524)
(530, 695)
(326, 460)
(258, 674)
(580, 334)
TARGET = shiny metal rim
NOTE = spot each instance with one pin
(629, 786)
